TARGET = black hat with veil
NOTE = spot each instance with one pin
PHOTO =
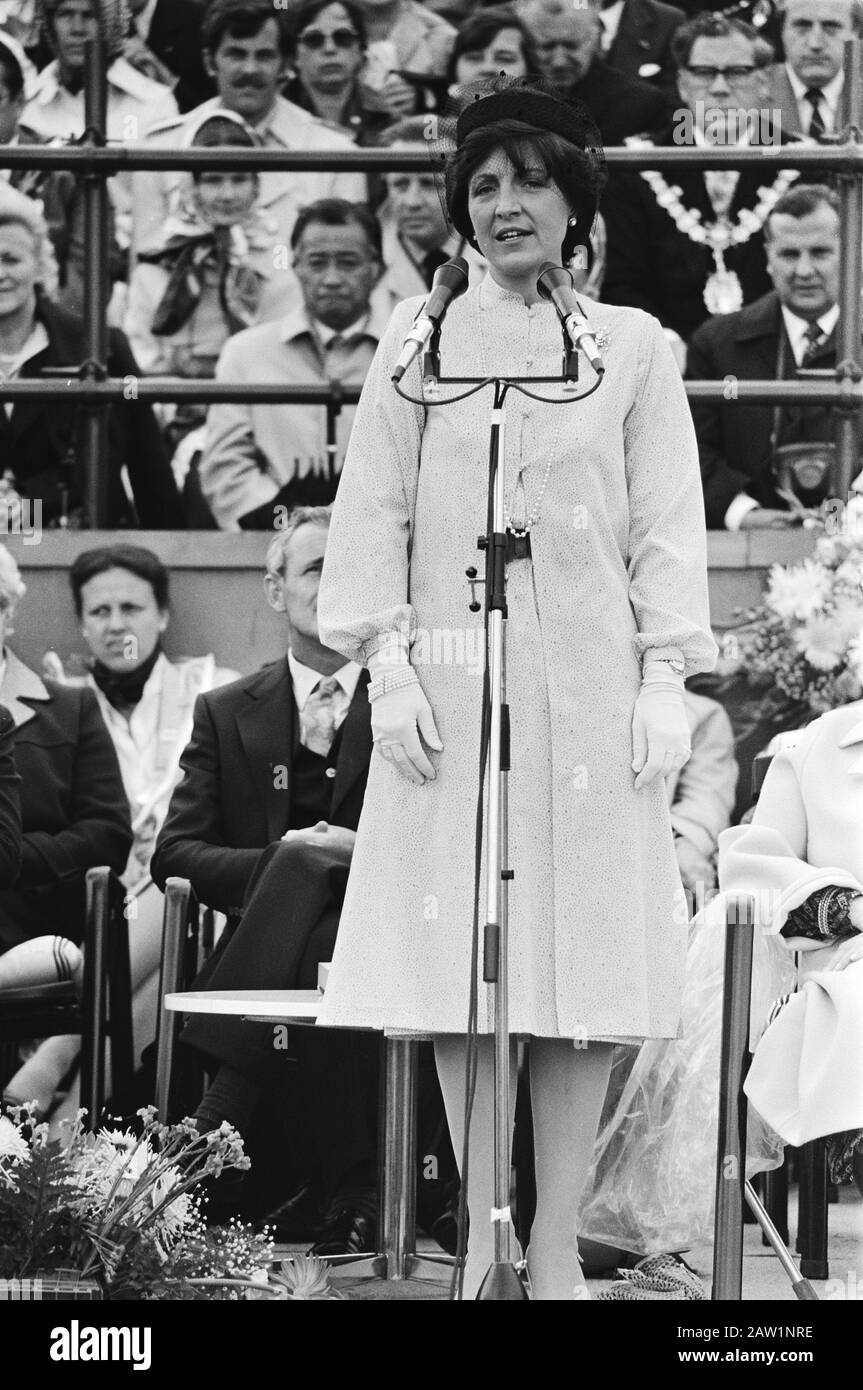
(524, 119)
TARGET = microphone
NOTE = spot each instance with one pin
(450, 280)
(555, 283)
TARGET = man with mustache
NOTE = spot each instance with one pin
(246, 50)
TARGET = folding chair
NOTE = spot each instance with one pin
(101, 1015)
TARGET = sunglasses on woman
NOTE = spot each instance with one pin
(314, 39)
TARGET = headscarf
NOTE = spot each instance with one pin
(192, 248)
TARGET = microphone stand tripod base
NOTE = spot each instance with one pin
(502, 1285)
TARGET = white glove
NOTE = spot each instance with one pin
(399, 717)
(660, 728)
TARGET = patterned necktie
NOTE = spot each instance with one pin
(817, 128)
(813, 342)
(318, 717)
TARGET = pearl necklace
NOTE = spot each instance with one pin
(534, 511)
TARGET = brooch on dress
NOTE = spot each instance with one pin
(602, 339)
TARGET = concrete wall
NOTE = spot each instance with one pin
(218, 603)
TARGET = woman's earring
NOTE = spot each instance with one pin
(573, 221)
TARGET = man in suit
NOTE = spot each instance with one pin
(263, 824)
(259, 459)
(636, 39)
(568, 42)
(654, 260)
(808, 87)
(792, 326)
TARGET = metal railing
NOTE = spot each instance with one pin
(97, 161)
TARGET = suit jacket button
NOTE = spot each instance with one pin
(330, 772)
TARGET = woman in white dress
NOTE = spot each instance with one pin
(606, 615)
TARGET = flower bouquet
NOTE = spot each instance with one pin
(119, 1215)
(800, 653)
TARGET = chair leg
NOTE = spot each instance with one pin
(94, 1009)
(776, 1200)
(179, 905)
(731, 1152)
(120, 1004)
(812, 1210)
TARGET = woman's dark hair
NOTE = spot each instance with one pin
(338, 212)
(133, 558)
(569, 167)
(241, 19)
(482, 28)
(302, 15)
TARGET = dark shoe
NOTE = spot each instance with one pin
(301, 1217)
(445, 1231)
(349, 1229)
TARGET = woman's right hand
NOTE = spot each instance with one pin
(398, 720)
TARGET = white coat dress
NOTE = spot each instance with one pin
(597, 919)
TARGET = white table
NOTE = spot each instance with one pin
(396, 1257)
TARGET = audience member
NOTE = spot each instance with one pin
(568, 44)
(742, 447)
(695, 247)
(56, 108)
(40, 444)
(407, 55)
(807, 89)
(247, 50)
(328, 46)
(259, 459)
(416, 236)
(213, 273)
(170, 30)
(146, 701)
(264, 822)
(58, 190)
(489, 42)
(636, 39)
(73, 813)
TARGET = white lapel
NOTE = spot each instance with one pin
(854, 735)
(19, 681)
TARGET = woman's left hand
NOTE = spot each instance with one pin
(660, 731)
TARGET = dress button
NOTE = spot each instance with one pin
(330, 772)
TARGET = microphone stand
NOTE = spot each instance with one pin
(502, 1282)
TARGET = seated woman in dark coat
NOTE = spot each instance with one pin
(41, 441)
(74, 816)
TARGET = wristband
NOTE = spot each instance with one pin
(392, 680)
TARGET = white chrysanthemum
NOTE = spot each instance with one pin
(12, 1147)
(798, 592)
(173, 1218)
(824, 639)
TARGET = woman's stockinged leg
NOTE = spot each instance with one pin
(567, 1089)
(449, 1051)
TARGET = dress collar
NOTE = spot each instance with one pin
(20, 683)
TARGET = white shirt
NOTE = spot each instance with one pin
(795, 327)
(135, 103)
(304, 679)
(610, 19)
(831, 96)
(11, 366)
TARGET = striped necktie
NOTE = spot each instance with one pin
(817, 128)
